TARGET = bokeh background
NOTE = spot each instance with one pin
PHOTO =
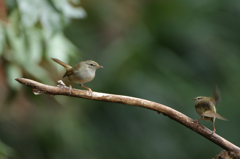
(167, 51)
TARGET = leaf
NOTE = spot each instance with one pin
(38, 72)
(18, 45)
(30, 10)
(13, 72)
(68, 10)
(51, 20)
(35, 50)
(58, 46)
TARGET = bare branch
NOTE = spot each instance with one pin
(61, 89)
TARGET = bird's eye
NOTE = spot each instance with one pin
(91, 64)
(199, 98)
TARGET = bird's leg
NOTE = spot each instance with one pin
(214, 129)
(197, 124)
(89, 89)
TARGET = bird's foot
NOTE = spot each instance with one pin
(213, 132)
(90, 91)
(70, 89)
(60, 84)
(196, 124)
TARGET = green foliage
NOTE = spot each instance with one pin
(165, 51)
(35, 29)
(53, 15)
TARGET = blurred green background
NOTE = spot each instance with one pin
(167, 51)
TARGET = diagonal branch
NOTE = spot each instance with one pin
(61, 89)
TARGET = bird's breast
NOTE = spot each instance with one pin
(200, 110)
(81, 77)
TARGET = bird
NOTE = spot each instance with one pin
(81, 73)
(206, 109)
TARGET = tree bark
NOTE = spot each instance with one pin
(61, 89)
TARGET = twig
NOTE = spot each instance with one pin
(61, 89)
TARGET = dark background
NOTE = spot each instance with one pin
(166, 51)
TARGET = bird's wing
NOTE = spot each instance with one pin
(69, 73)
(206, 104)
(210, 113)
(216, 95)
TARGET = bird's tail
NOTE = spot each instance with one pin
(66, 66)
(210, 113)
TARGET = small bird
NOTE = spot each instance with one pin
(205, 107)
(81, 73)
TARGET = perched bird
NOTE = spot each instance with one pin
(81, 73)
(205, 107)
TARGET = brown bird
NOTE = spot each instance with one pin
(205, 107)
(81, 73)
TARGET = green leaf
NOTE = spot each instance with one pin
(53, 15)
(30, 11)
(50, 19)
(35, 50)
(38, 72)
(60, 47)
(68, 10)
(13, 72)
(18, 45)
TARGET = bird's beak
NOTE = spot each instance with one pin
(194, 98)
(100, 67)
